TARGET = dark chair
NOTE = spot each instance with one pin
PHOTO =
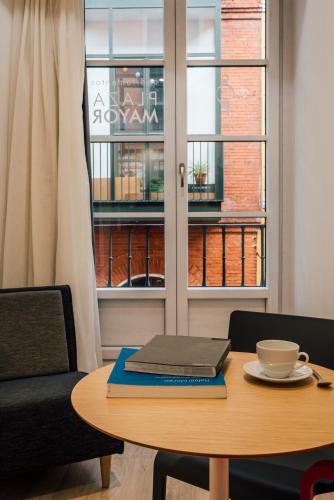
(38, 370)
(274, 478)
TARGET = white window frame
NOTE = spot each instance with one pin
(271, 291)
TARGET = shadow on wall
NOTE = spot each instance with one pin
(307, 156)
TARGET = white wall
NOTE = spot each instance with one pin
(308, 158)
(6, 8)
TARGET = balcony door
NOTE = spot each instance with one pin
(180, 154)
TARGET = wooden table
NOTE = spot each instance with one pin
(256, 419)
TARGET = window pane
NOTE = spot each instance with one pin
(244, 176)
(205, 172)
(243, 29)
(126, 100)
(129, 254)
(229, 101)
(226, 253)
(232, 173)
(228, 29)
(137, 32)
(97, 32)
(201, 31)
(124, 172)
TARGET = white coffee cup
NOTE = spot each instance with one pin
(278, 358)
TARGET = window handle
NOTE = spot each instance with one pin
(182, 169)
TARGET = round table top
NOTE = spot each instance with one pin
(256, 419)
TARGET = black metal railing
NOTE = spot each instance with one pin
(146, 280)
(205, 171)
(234, 249)
(127, 172)
(124, 172)
(237, 231)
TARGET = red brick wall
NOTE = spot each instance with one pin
(242, 109)
(214, 259)
(214, 251)
(243, 167)
(120, 253)
(241, 29)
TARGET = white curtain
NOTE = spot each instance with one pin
(46, 233)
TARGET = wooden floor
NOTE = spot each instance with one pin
(131, 479)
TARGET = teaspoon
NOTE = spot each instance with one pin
(320, 381)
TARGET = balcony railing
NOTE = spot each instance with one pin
(218, 254)
(135, 173)
(119, 240)
(127, 172)
(240, 245)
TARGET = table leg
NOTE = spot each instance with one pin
(219, 471)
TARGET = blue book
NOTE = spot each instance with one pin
(125, 384)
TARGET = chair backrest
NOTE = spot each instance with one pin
(37, 335)
(314, 335)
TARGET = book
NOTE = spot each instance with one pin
(184, 356)
(123, 384)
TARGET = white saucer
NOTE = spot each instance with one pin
(253, 368)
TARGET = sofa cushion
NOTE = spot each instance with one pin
(39, 428)
(32, 334)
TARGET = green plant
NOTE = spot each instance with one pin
(199, 169)
(156, 186)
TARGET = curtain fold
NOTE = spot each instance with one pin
(47, 225)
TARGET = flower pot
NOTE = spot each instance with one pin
(200, 178)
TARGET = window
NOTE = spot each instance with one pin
(129, 93)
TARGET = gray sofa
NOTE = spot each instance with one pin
(38, 370)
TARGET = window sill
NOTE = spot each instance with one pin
(192, 293)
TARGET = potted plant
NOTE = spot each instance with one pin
(156, 186)
(199, 171)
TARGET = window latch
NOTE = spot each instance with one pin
(182, 169)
